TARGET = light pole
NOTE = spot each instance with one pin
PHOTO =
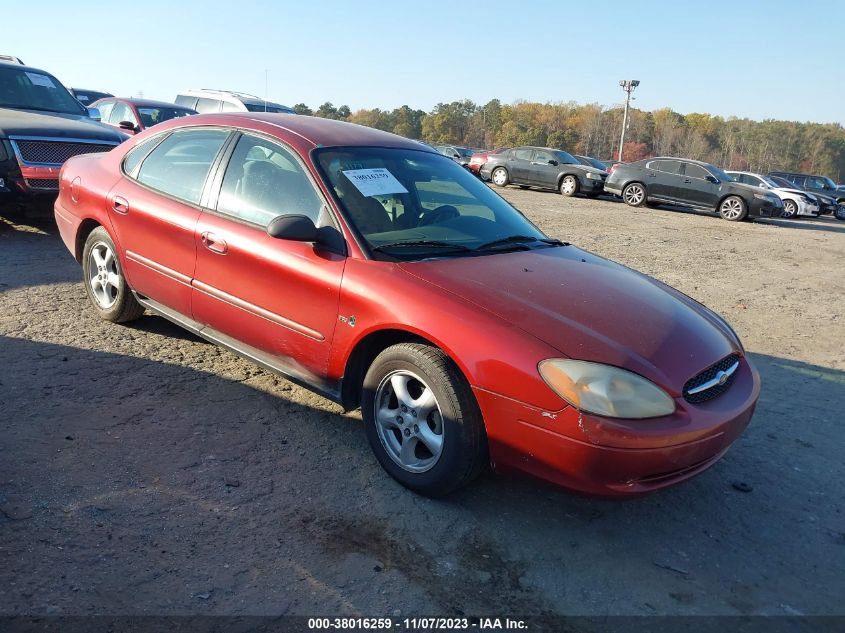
(628, 86)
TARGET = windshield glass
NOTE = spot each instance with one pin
(268, 107)
(32, 90)
(153, 116)
(769, 181)
(465, 152)
(720, 174)
(410, 204)
(566, 158)
(783, 182)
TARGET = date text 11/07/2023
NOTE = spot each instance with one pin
(417, 624)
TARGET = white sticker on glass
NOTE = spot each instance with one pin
(38, 79)
(377, 181)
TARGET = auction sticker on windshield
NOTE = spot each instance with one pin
(374, 182)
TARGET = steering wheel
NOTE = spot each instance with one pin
(440, 214)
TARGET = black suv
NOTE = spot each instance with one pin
(830, 196)
(544, 167)
(41, 126)
(693, 184)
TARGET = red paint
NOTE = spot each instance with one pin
(496, 316)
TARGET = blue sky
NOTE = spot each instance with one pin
(778, 59)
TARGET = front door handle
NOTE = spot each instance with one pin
(214, 243)
(120, 205)
(652, 175)
(687, 180)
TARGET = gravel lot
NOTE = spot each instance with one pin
(144, 471)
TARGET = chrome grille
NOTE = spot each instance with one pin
(43, 183)
(708, 375)
(55, 152)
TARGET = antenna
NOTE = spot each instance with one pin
(266, 73)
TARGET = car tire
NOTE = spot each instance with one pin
(790, 209)
(569, 186)
(523, 186)
(500, 177)
(733, 209)
(432, 453)
(105, 284)
(634, 194)
(840, 212)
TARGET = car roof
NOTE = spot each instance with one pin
(24, 67)
(686, 160)
(318, 131)
(147, 103)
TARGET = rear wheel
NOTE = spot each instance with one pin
(104, 281)
(733, 209)
(634, 195)
(500, 177)
(790, 209)
(569, 186)
(422, 420)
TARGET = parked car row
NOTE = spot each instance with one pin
(42, 124)
(734, 195)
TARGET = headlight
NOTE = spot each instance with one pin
(605, 390)
(593, 176)
(762, 196)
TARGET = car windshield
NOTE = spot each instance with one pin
(154, 116)
(566, 158)
(721, 175)
(411, 205)
(596, 163)
(769, 181)
(783, 182)
(267, 107)
(465, 152)
(32, 90)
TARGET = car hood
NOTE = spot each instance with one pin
(590, 308)
(30, 123)
(585, 168)
(811, 196)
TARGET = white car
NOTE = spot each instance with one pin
(795, 201)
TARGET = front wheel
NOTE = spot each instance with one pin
(104, 281)
(422, 420)
(790, 209)
(500, 177)
(569, 186)
(840, 212)
(634, 195)
(733, 209)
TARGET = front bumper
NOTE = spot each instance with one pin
(590, 185)
(766, 208)
(616, 458)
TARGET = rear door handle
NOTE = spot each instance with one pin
(120, 204)
(214, 243)
(652, 175)
(687, 180)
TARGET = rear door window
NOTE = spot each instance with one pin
(669, 166)
(695, 171)
(180, 165)
(523, 154)
(207, 105)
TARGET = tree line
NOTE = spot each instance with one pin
(593, 130)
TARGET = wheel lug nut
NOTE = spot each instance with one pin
(407, 432)
(404, 408)
(399, 419)
(414, 413)
(416, 429)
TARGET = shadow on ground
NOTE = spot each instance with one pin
(129, 485)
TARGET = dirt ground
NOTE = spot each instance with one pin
(144, 471)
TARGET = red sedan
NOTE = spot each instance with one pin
(383, 275)
(477, 160)
(135, 115)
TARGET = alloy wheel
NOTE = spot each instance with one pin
(634, 195)
(731, 209)
(409, 421)
(789, 208)
(103, 275)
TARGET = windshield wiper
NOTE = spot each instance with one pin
(519, 241)
(416, 243)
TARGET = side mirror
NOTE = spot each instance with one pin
(553, 162)
(713, 179)
(297, 228)
(94, 113)
(127, 125)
